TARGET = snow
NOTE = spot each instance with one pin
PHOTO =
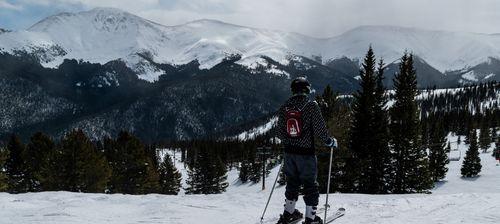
(489, 76)
(455, 200)
(104, 34)
(254, 132)
(470, 76)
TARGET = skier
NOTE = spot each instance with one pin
(299, 121)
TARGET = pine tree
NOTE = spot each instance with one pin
(244, 169)
(15, 166)
(484, 136)
(4, 154)
(411, 162)
(438, 158)
(339, 126)
(207, 175)
(88, 170)
(38, 148)
(382, 167)
(170, 178)
(369, 131)
(496, 152)
(471, 166)
(361, 132)
(132, 167)
(54, 170)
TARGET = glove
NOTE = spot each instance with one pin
(332, 142)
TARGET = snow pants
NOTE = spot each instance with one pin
(301, 170)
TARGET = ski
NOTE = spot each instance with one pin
(339, 213)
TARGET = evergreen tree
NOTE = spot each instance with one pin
(244, 171)
(132, 167)
(496, 152)
(411, 162)
(38, 148)
(484, 136)
(87, 168)
(15, 166)
(170, 178)
(471, 166)
(438, 157)
(369, 131)
(382, 167)
(207, 175)
(339, 126)
(54, 173)
(4, 154)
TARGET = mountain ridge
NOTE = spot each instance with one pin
(98, 36)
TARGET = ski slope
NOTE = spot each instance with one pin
(455, 200)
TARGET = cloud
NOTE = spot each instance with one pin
(321, 18)
(9, 6)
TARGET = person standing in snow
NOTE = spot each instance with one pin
(299, 121)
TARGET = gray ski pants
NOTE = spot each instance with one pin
(301, 170)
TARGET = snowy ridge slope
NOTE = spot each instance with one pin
(104, 34)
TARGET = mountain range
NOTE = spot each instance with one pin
(105, 70)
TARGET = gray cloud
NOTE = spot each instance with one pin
(320, 18)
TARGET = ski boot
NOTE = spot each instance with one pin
(316, 220)
(286, 217)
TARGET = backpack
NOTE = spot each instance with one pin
(293, 121)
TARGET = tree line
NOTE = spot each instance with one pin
(75, 163)
(396, 142)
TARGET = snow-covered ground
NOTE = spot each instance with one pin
(455, 200)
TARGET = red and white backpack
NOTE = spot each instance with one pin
(293, 120)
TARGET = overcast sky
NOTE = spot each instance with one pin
(319, 18)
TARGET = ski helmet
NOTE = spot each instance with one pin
(300, 85)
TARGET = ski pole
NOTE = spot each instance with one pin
(328, 183)
(271, 194)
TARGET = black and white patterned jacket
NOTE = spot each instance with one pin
(313, 125)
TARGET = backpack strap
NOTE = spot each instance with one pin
(305, 105)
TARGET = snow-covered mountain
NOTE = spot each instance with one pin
(105, 34)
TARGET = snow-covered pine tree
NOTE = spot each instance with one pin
(88, 170)
(207, 174)
(4, 154)
(38, 148)
(471, 166)
(15, 165)
(411, 162)
(484, 136)
(132, 167)
(170, 178)
(438, 157)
